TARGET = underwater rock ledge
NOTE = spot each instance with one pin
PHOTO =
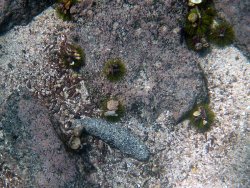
(20, 12)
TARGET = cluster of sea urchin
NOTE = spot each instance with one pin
(203, 26)
(73, 56)
(114, 70)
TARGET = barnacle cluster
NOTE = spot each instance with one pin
(202, 117)
(63, 8)
(114, 69)
(71, 55)
(112, 109)
(204, 26)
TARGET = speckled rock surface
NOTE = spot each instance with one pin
(31, 153)
(161, 73)
(19, 12)
(237, 12)
(181, 157)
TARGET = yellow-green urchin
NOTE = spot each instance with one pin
(222, 34)
(114, 69)
(202, 117)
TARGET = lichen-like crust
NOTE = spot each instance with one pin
(114, 69)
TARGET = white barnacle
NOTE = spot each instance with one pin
(195, 1)
(197, 113)
(192, 3)
(204, 122)
(75, 143)
(78, 57)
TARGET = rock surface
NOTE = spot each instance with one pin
(20, 12)
(31, 152)
(161, 73)
(237, 12)
(181, 157)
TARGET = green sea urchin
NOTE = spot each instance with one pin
(114, 69)
(63, 8)
(222, 34)
(202, 117)
(71, 55)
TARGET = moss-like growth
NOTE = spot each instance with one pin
(72, 56)
(206, 3)
(63, 8)
(200, 28)
(210, 11)
(115, 114)
(114, 69)
(197, 27)
(202, 117)
(222, 34)
(200, 25)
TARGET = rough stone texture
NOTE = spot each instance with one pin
(30, 149)
(181, 157)
(223, 159)
(116, 136)
(19, 12)
(237, 12)
(161, 73)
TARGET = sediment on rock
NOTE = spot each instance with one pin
(31, 152)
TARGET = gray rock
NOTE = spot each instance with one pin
(162, 74)
(116, 136)
(20, 12)
(31, 153)
(237, 12)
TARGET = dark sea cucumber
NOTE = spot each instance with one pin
(116, 136)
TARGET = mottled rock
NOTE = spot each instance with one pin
(237, 12)
(116, 136)
(31, 151)
(162, 74)
(20, 12)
